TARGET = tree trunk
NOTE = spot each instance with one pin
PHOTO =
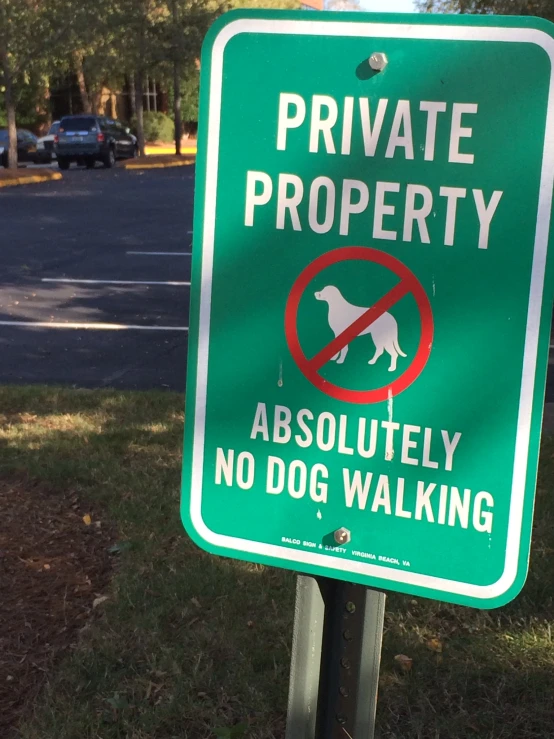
(43, 105)
(132, 95)
(78, 65)
(176, 80)
(10, 111)
(177, 107)
(139, 101)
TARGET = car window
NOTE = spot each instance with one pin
(78, 123)
(54, 128)
(111, 125)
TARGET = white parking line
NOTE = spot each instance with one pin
(91, 326)
(160, 253)
(113, 282)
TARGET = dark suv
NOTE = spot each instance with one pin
(87, 139)
(26, 146)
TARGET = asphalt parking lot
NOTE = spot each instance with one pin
(95, 279)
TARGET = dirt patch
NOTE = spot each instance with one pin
(53, 565)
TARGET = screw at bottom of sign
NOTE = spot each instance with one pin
(342, 536)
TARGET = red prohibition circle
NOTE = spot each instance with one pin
(409, 284)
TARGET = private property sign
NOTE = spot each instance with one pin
(371, 297)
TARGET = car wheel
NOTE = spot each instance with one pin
(63, 163)
(109, 159)
(135, 153)
(4, 160)
(90, 162)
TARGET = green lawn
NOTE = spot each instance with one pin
(188, 643)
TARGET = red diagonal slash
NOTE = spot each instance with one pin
(408, 284)
(359, 325)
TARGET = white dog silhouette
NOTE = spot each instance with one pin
(384, 330)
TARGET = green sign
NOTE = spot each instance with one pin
(371, 297)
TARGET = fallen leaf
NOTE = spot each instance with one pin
(405, 663)
(98, 601)
(195, 602)
(45, 567)
(250, 624)
(435, 645)
(87, 520)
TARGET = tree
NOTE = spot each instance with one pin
(20, 27)
(33, 39)
(137, 38)
(187, 24)
(541, 8)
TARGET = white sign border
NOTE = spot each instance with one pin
(376, 30)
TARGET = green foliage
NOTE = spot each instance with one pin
(157, 127)
(189, 101)
(107, 43)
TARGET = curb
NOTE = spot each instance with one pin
(155, 150)
(143, 163)
(30, 179)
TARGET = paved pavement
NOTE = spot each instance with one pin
(94, 226)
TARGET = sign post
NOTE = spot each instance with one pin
(371, 307)
(336, 652)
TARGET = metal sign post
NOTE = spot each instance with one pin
(338, 630)
(336, 652)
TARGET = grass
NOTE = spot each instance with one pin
(188, 643)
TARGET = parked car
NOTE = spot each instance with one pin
(45, 144)
(26, 146)
(87, 139)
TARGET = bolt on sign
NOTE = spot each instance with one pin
(371, 297)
